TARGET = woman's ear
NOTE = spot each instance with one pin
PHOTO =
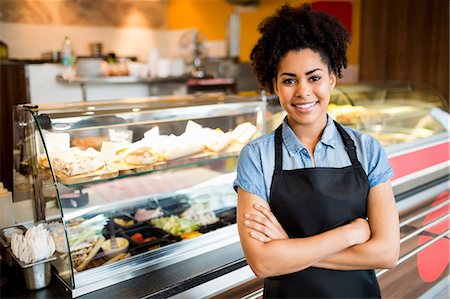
(274, 84)
(333, 80)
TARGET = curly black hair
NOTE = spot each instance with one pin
(296, 28)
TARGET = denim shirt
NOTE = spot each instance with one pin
(256, 160)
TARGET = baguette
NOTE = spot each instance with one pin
(114, 259)
(91, 254)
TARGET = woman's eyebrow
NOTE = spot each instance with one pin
(312, 71)
(307, 73)
(288, 74)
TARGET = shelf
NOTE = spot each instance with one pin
(120, 80)
(193, 160)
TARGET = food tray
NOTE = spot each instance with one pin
(213, 226)
(97, 175)
(146, 232)
(125, 169)
(148, 209)
(227, 214)
(126, 218)
(122, 167)
(174, 205)
(150, 167)
(175, 225)
(151, 246)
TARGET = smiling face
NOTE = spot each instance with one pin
(303, 84)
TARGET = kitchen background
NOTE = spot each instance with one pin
(403, 40)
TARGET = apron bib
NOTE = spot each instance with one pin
(310, 201)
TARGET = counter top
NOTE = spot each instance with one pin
(162, 283)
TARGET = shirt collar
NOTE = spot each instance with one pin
(293, 145)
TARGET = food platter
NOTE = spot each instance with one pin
(101, 174)
(142, 236)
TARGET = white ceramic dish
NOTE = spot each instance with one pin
(11, 231)
(121, 247)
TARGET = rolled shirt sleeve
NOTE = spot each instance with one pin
(249, 172)
(379, 169)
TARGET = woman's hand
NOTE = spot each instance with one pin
(360, 230)
(264, 225)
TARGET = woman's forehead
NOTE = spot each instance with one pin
(303, 60)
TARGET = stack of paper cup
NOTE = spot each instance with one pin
(153, 57)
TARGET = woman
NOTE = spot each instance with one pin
(316, 212)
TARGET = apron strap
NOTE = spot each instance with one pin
(349, 144)
(278, 148)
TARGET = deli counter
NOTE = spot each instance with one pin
(155, 175)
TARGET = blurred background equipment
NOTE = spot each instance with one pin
(194, 51)
(3, 50)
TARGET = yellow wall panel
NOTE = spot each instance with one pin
(211, 16)
(208, 16)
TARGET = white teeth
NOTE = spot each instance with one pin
(305, 106)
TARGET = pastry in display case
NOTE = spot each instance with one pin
(142, 187)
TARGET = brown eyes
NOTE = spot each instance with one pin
(289, 81)
(292, 81)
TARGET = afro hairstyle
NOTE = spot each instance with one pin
(297, 28)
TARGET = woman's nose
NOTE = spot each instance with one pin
(303, 90)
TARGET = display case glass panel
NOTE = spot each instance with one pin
(156, 173)
(393, 113)
(121, 181)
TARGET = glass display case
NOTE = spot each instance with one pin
(394, 113)
(155, 174)
(411, 120)
(149, 175)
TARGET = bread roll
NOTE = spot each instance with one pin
(76, 161)
(243, 133)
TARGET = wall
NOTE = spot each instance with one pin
(131, 28)
(406, 40)
(27, 41)
(127, 27)
(117, 13)
(211, 17)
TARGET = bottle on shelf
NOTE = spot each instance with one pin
(67, 59)
(67, 52)
(6, 208)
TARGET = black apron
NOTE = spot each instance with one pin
(310, 201)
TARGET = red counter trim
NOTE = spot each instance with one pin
(411, 162)
(433, 261)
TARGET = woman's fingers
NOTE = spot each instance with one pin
(260, 219)
(265, 223)
(273, 220)
(266, 212)
(259, 236)
(259, 228)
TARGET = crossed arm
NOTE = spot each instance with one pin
(361, 244)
